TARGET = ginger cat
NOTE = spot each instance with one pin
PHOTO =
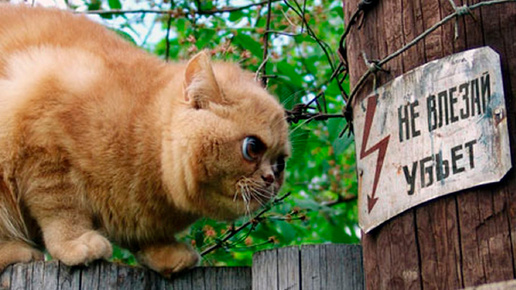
(101, 142)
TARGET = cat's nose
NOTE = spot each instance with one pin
(268, 178)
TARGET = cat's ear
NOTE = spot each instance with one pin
(200, 86)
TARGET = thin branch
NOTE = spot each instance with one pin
(255, 220)
(266, 43)
(198, 12)
(340, 200)
(167, 48)
(233, 9)
(324, 46)
(284, 33)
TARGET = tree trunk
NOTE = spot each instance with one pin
(463, 239)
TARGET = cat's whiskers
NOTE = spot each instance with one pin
(290, 97)
(248, 199)
(251, 189)
(260, 192)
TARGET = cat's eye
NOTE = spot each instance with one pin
(252, 148)
(279, 166)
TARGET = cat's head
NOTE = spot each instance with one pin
(237, 139)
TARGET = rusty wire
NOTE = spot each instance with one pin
(378, 65)
(300, 111)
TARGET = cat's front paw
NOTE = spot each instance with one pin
(18, 252)
(169, 259)
(88, 247)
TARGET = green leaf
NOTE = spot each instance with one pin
(247, 42)
(199, 238)
(236, 16)
(299, 141)
(309, 204)
(204, 39)
(335, 126)
(287, 71)
(286, 231)
(341, 144)
(114, 4)
(125, 35)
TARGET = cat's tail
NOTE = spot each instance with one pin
(12, 223)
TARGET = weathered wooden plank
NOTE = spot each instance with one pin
(134, 278)
(37, 280)
(343, 269)
(183, 281)
(90, 278)
(311, 268)
(103, 275)
(288, 268)
(156, 282)
(69, 278)
(5, 278)
(198, 279)
(19, 277)
(221, 278)
(108, 275)
(124, 278)
(265, 270)
(352, 267)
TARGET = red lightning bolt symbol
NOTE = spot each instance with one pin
(380, 146)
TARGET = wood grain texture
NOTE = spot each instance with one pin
(103, 275)
(309, 267)
(468, 238)
(265, 271)
(288, 269)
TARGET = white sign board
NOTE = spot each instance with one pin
(437, 129)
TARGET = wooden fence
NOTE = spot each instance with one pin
(306, 267)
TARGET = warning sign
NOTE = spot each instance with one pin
(437, 129)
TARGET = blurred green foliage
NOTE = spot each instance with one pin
(320, 175)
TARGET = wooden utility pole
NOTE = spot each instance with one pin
(467, 238)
